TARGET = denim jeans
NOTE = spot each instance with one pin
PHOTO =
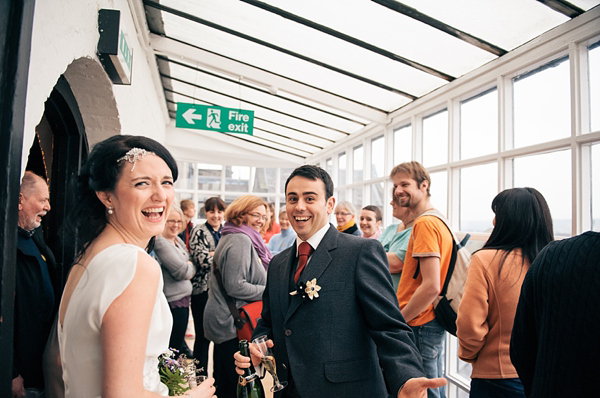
(431, 341)
(496, 388)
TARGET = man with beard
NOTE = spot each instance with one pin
(35, 296)
(425, 267)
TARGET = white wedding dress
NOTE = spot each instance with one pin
(105, 278)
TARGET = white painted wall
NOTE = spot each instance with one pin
(64, 31)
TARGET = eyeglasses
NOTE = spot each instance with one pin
(174, 222)
(258, 216)
(342, 214)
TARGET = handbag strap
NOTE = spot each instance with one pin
(237, 319)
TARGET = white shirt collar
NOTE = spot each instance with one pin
(314, 240)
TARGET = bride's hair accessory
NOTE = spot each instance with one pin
(135, 154)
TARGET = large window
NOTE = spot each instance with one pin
(478, 187)
(439, 191)
(377, 157)
(185, 180)
(594, 77)
(357, 164)
(479, 125)
(285, 173)
(209, 177)
(264, 179)
(342, 169)
(549, 173)
(542, 104)
(237, 178)
(435, 139)
(521, 129)
(595, 184)
(357, 197)
(329, 166)
(402, 144)
(377, 195)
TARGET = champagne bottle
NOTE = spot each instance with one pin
(249, 385)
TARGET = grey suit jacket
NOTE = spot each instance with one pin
(336, 345)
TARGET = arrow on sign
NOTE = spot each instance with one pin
(189, 116)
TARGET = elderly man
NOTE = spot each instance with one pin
(34, 289)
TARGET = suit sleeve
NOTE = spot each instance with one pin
(398, 355)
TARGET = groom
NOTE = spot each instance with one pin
(343, 340)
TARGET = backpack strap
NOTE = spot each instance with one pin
(455, 247)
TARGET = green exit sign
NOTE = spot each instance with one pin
(214, 118)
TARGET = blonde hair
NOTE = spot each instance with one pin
(241, 206)
(177, 209)
(348, 206)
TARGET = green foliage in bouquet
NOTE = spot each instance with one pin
(176, 373)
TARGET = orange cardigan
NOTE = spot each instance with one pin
(487, 311)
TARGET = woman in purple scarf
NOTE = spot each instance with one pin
(241, 258)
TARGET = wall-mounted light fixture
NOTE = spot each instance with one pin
(114, 51)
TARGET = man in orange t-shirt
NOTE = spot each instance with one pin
(425, 267)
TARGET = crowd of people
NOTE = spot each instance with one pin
(368, 326)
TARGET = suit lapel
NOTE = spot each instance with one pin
(284, 280)
(318, 263)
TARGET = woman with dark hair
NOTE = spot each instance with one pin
(271, 227)
(522, 227)
(113, 298)
(240, 260)
(203, 242)
(370, 222)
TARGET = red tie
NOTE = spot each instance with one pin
(304, 252)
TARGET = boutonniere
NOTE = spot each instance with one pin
(309, 289)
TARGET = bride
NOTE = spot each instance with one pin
(114, 320)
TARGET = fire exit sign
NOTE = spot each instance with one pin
(214, 118)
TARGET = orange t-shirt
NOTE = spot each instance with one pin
(429, 238)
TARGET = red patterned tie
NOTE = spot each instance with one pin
(304, 252)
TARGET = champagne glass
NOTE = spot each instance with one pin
(268, 361)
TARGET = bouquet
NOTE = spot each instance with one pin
(177, 372)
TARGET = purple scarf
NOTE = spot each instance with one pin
(257, 241)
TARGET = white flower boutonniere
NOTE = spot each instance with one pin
(310, 289)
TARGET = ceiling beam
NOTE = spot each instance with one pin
(249, 73)
(239, 82)
(434, 23)
(212, 147)
(320, 136)
(282, 50)
(350, 39)
(564, 7)
(230, 67)
(255, 104)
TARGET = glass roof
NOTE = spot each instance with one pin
(316, 71)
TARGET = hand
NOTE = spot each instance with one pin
(18, 387)
(417, 387)
(242, 362)
(205, 390)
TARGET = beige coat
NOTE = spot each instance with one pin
(487, 311)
